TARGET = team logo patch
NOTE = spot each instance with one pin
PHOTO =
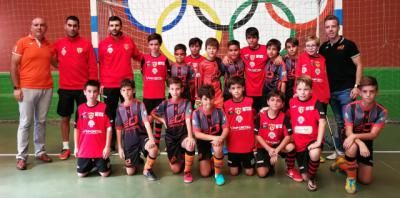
(317, 64)
(154, 64)
(154, 70)
(63, 51)
(301, 110)
(79, 50)
(110, 50)
(317, 71)
(91, 123)
(300, 119)
(303, 70)
(126, 46)
(238, 110)
(252, 64)
(271, 127)
(271, 135)
(239, 118)
(340, 47)
(252, 57)
(91, 115)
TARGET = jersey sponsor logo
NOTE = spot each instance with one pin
(110, 50)
(126, 46)
(154, 71)
(303, 69)
(239, 118)
(271, 135)
(317, 71)
(63, 51)
(177, 120)
(161, 63)
(246, 108)
(306, 130)
(271, 127)
(300, 119)
(79, 50)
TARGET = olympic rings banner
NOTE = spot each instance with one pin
(179, 20)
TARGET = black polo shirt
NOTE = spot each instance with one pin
(339, 64)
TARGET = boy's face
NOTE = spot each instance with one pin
(206, 103)
(180, 56)
(368, 94)
(303, 91)
(91, 93)
(236, 90)
(175, 90)
(292, 49)
(233, 52)
(154, 46)
(195, 49)
(252, 41)
(275, 103)
(127, 92)
(211, 51)
(272, 51)
(311, 47)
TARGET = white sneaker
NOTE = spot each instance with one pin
(340, 153)
(332, 156)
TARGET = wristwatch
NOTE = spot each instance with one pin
(356, 85)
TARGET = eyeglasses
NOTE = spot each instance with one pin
(311, 46)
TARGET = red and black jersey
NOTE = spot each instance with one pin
(211, 124)
(362, 119)
(314, 66)
(92, 124)
(231, 70)
(274, 76)
(210, 74)
(254, 61)
(241, 125)
(194, 83)
(305, 116)
(154, 70)
(184, 72)
(290, 67)
(175, 115)
(272, 130)
(76, 62)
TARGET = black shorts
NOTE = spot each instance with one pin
(263, 159)
(204, 149)
(66, 99)
(245, 160)
(150, 104)
(86, 164)
(132, 153)
(369, 161)
(175, 151)
(111, 97)
(303, 158)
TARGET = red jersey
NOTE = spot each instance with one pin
(254, 61)
(115, 60)
(241, 124)
(76, 62)
(210, 73)
(272, 130)
(314, 66)
(92, 124)
(305, 116)
(194, 83)
(154, 70)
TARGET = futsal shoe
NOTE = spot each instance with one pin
(187, 177)
(294, 174)
(64, 155)
(21, 164)
(219, 179)
(150, 175)
(351, 185)
(312, 185)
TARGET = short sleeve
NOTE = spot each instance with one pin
(107, 123)
(257, 124)
(348, 115)
(143, 112)
(224, 122)
(196, 121)
(381, 118)
(118, 120)
(76, 119)
(188, 110)
(283, 72)
(287, 126)
(352, 49)
(320, 110)
(19, 48)
(160, 109)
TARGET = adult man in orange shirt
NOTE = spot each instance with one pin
(31, 76)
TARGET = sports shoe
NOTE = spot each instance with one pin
(187, 177)
(294, 174)
(44, 158)
(335, 165)
(219, 179)
(21, 164)
(350, 186)
(332, 156)
(322, 159)
(312, 185)
(64, 155)
(150, 175)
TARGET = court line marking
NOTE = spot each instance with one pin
(391, 167)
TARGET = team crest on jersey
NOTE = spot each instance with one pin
(79, 50)
(154, 64)
(317, 71)
(300, 119)
(238, 110)
(340, 47)
(91, 115)
(91, 123)
(63, 51)
(252, 57)
(271, 135)
(252, 64)
(301, 110)
(239, 118)
(110, 50)
(126, 46)
(303, 70)
(271, 127)
(154, 70)
(317, 64)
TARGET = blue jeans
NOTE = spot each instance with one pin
(338, 102)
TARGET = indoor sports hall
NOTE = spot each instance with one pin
(373, 25)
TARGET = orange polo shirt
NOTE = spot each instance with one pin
(34, 68)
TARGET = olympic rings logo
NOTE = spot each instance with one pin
(215, 22)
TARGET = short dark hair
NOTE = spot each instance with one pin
(233, 42)
(212, 42)
(72, 18)
(174, 80)
(274, 42)
(276, 93)
(331, 17)
(180, 46)
(155, 36)
(369, 81)
(304, 79)
(195, 40)
(252, 32)
(207, 91)
(292, 40)
(235, 80)
(127, 83)
(114, 18)
(93, 83)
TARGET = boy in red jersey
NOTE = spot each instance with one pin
(134, 134)
(154, 70)
(193, 60)
(313, 64)
(291, 45)
(234, 68)
(181, 70)
(92, 134)
(175, 113)
(275, 74)
(210, 129)
(273, 130)
(308, 122)
(240, 141)
(210, 70)
(364, 120)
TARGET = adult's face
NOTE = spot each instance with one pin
(114, 27)
(331, 29)
(71, 28)
(38, 28)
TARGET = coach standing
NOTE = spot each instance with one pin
(31, 76)
(344, 69)
(76, 65)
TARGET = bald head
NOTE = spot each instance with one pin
(38, 28)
